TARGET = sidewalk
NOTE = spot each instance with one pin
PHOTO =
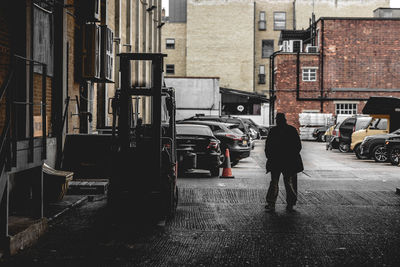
(25, 231)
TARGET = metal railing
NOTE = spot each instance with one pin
(5, 133)
(22, 69)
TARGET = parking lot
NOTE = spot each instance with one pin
(347, 214)
(324, 170)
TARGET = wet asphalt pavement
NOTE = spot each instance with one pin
(347, 215)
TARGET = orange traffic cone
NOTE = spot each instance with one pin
(227, 171)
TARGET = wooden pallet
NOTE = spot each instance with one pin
(88, 187)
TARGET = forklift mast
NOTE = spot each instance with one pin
(144, 161)
(125, 100)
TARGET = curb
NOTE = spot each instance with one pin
(30, 235)
(79, 202)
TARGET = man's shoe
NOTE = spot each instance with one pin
(269, 208)
(290, 208)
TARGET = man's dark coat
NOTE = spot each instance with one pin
(282, 149)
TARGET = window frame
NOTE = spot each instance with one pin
(39, 42)
(279, 20)
(292, 42)
(262, 50)
(306, 73)
(261, 67)
(262, 21)
(261, 75)
(166, 43)
(169, 65)
(347, 108)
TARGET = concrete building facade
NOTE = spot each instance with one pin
(235, 39)
(356, 58)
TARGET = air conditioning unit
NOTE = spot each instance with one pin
(106, 54)
(91, 51)
(312, 49)
(88, 10)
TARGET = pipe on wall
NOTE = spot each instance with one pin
(322, 66)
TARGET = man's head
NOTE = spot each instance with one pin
(280, 119)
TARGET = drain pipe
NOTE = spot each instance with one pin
(272, 96)
(298, 75)
(322, 66)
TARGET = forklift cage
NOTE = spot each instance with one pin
(123, 139)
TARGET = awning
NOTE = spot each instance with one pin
(239, 96)
(382, 105)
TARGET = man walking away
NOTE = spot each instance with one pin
(282, 149)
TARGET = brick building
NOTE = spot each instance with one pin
(337, 65)
(58, 69)
(234, 39)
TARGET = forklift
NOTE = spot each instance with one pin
(143, 155)
(136, 157)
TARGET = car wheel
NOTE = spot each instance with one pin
(380, 154)
(320, 137)
(343, 147)
(357, 151)
(395, 156)
(234, 162)
(214, 172)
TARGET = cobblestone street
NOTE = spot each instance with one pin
(347, 214)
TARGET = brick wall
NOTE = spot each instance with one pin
(357, 54)
(285, 81)
(176, 56)
(362, 53)
(4, 60)
(73, 84)
(37, 98)
(220, 42)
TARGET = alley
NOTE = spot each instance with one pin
(347, 214)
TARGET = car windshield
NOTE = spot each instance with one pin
(235, 128)
(397, 131)
(237, 131)
(184, 129)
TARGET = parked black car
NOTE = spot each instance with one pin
(261, 130)
(227, 119)
(230, 136)
(197, 147)
(373, 146)
(350, 125)
(319, 133)
(392, 146)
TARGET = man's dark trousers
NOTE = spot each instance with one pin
(290, 181)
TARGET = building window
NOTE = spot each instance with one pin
(262, 23)
(170, 69)
(43, 39)
(279, 21)
(261, 74)
(170, 43)
(309, 74)
(346, 108)
(267, 48)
